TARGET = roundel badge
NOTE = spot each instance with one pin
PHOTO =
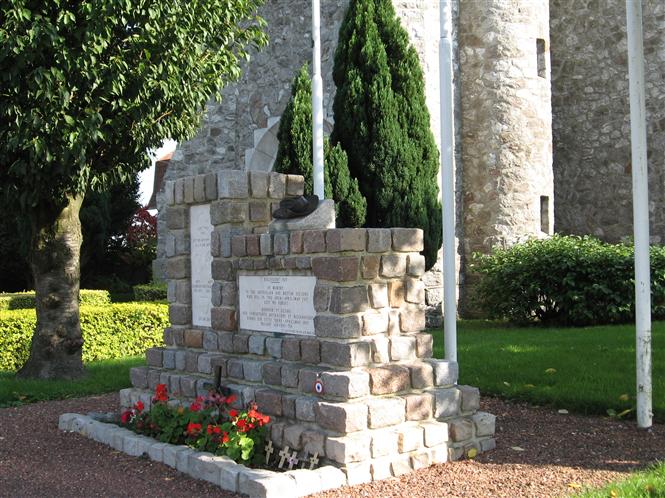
(318, 386)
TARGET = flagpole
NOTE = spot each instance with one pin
(317, 102)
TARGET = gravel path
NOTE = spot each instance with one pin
(540, 453)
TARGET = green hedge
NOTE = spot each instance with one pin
(150, 292)
(112, 331)
(566, 280)
(26, 300)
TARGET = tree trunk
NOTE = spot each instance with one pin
(55, 259)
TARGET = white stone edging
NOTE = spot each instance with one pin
(218, 470)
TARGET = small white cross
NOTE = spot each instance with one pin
(313, 461)
(269, 451)
(304, 460)
(293, 460)
(284, 454)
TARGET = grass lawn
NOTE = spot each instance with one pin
(103, 377)
(586, 370)
(648, 483)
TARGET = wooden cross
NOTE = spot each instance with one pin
(313, 461)
(284, 454)
(269, 451)
(293, 460)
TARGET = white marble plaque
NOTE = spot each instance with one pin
(200, 229)
(277, 304)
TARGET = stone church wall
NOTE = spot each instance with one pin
(591, 126)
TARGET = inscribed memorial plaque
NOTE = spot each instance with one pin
(277, 304)
(200, 229)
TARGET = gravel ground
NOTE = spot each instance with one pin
(539, 453)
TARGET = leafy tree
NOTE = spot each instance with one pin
(87, 87)
(382, 121)
(294, 155)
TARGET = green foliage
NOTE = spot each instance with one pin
(89, 86)
(26, 300)
(382, 122)
(588, 370)
(649, 483)
(110, 331)
(565, 280)
(294, 156)
(207, 424)
(150, 292)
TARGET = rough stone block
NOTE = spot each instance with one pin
(295, 242)
(178, 268)
(485, 423)
(378, 239)
(203, 466)
(272, 373)
(291, 349)
(307, 378)
(381, 469)
(191, 361)
(337, 269)
(304, 263)
(415, 291)
(153, 357)
(179, 191)
(370, 266)
(226, 211)
(180, 314)
(234, 368)
(189, 190)
(384, 412)
(277, 186)
(436, 433)
(210, 340)
(346, 239)
(393, 265)
(310, 351)
(389, 379)
(378, 294)
(322, 297)
(424, 345)
(292, 436)
(269, 401)
(461, 429)
(238, 246)
(346, 385)
(421, 460)
(412, 320)
(331, 477)
(295, 185)
(470, 398)
(289, 406)
(402, 348)
(258, 181)
(290, 375)
(252, 370)
(401, 465)
(257, 344)
(419, 406)
(223, 270)
(314, 241)
(252, 242)
(313, 442)
(263, 484)
(139, 377)
(307, 482)
(240, 343)
(447, 402)
(341, 417)
(380, 349)
(265, 244)
(445, 372)
(339, 327)
(375, 322)
(349, 299)
(281, 243)
(259, 211)
(350, 448)
(199, 188)
(410, 439)
(416, 265)
(422, 375)
(194, 338)
(305, 408)
(188, 386)
(352, 354)
(357, 473)
(407, 239)
(223, 319)
(225, 341)
(384, 443)
(177, 217)
(396, 293)
(274, 347)
(232, 184)
(488, 444)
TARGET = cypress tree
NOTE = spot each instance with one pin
(294, 156)
(382, 121)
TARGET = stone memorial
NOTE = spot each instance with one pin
(322, 328)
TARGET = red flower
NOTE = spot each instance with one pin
(213, 429)
(225, 437)
(139, 406)
(241, 425)
(161, 393)
(193, 429)
(126, 416)
(195, 407)
(230, 399)
(233, 413)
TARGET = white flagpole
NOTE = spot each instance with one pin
(317, 101)
(447, 181)
(638, 139)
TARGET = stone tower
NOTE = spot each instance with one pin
(592, 170)
(507, 185)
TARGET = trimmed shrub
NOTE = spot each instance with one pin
(150, 292)
(294, 156)
(111, 331)
(383, 124)
(565, 280)
(26, 300)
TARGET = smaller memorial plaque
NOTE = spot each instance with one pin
(277, 304)
(200, 228)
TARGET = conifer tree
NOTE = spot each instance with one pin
(294, 155)
(382, 121)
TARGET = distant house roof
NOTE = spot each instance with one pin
(161, 165)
